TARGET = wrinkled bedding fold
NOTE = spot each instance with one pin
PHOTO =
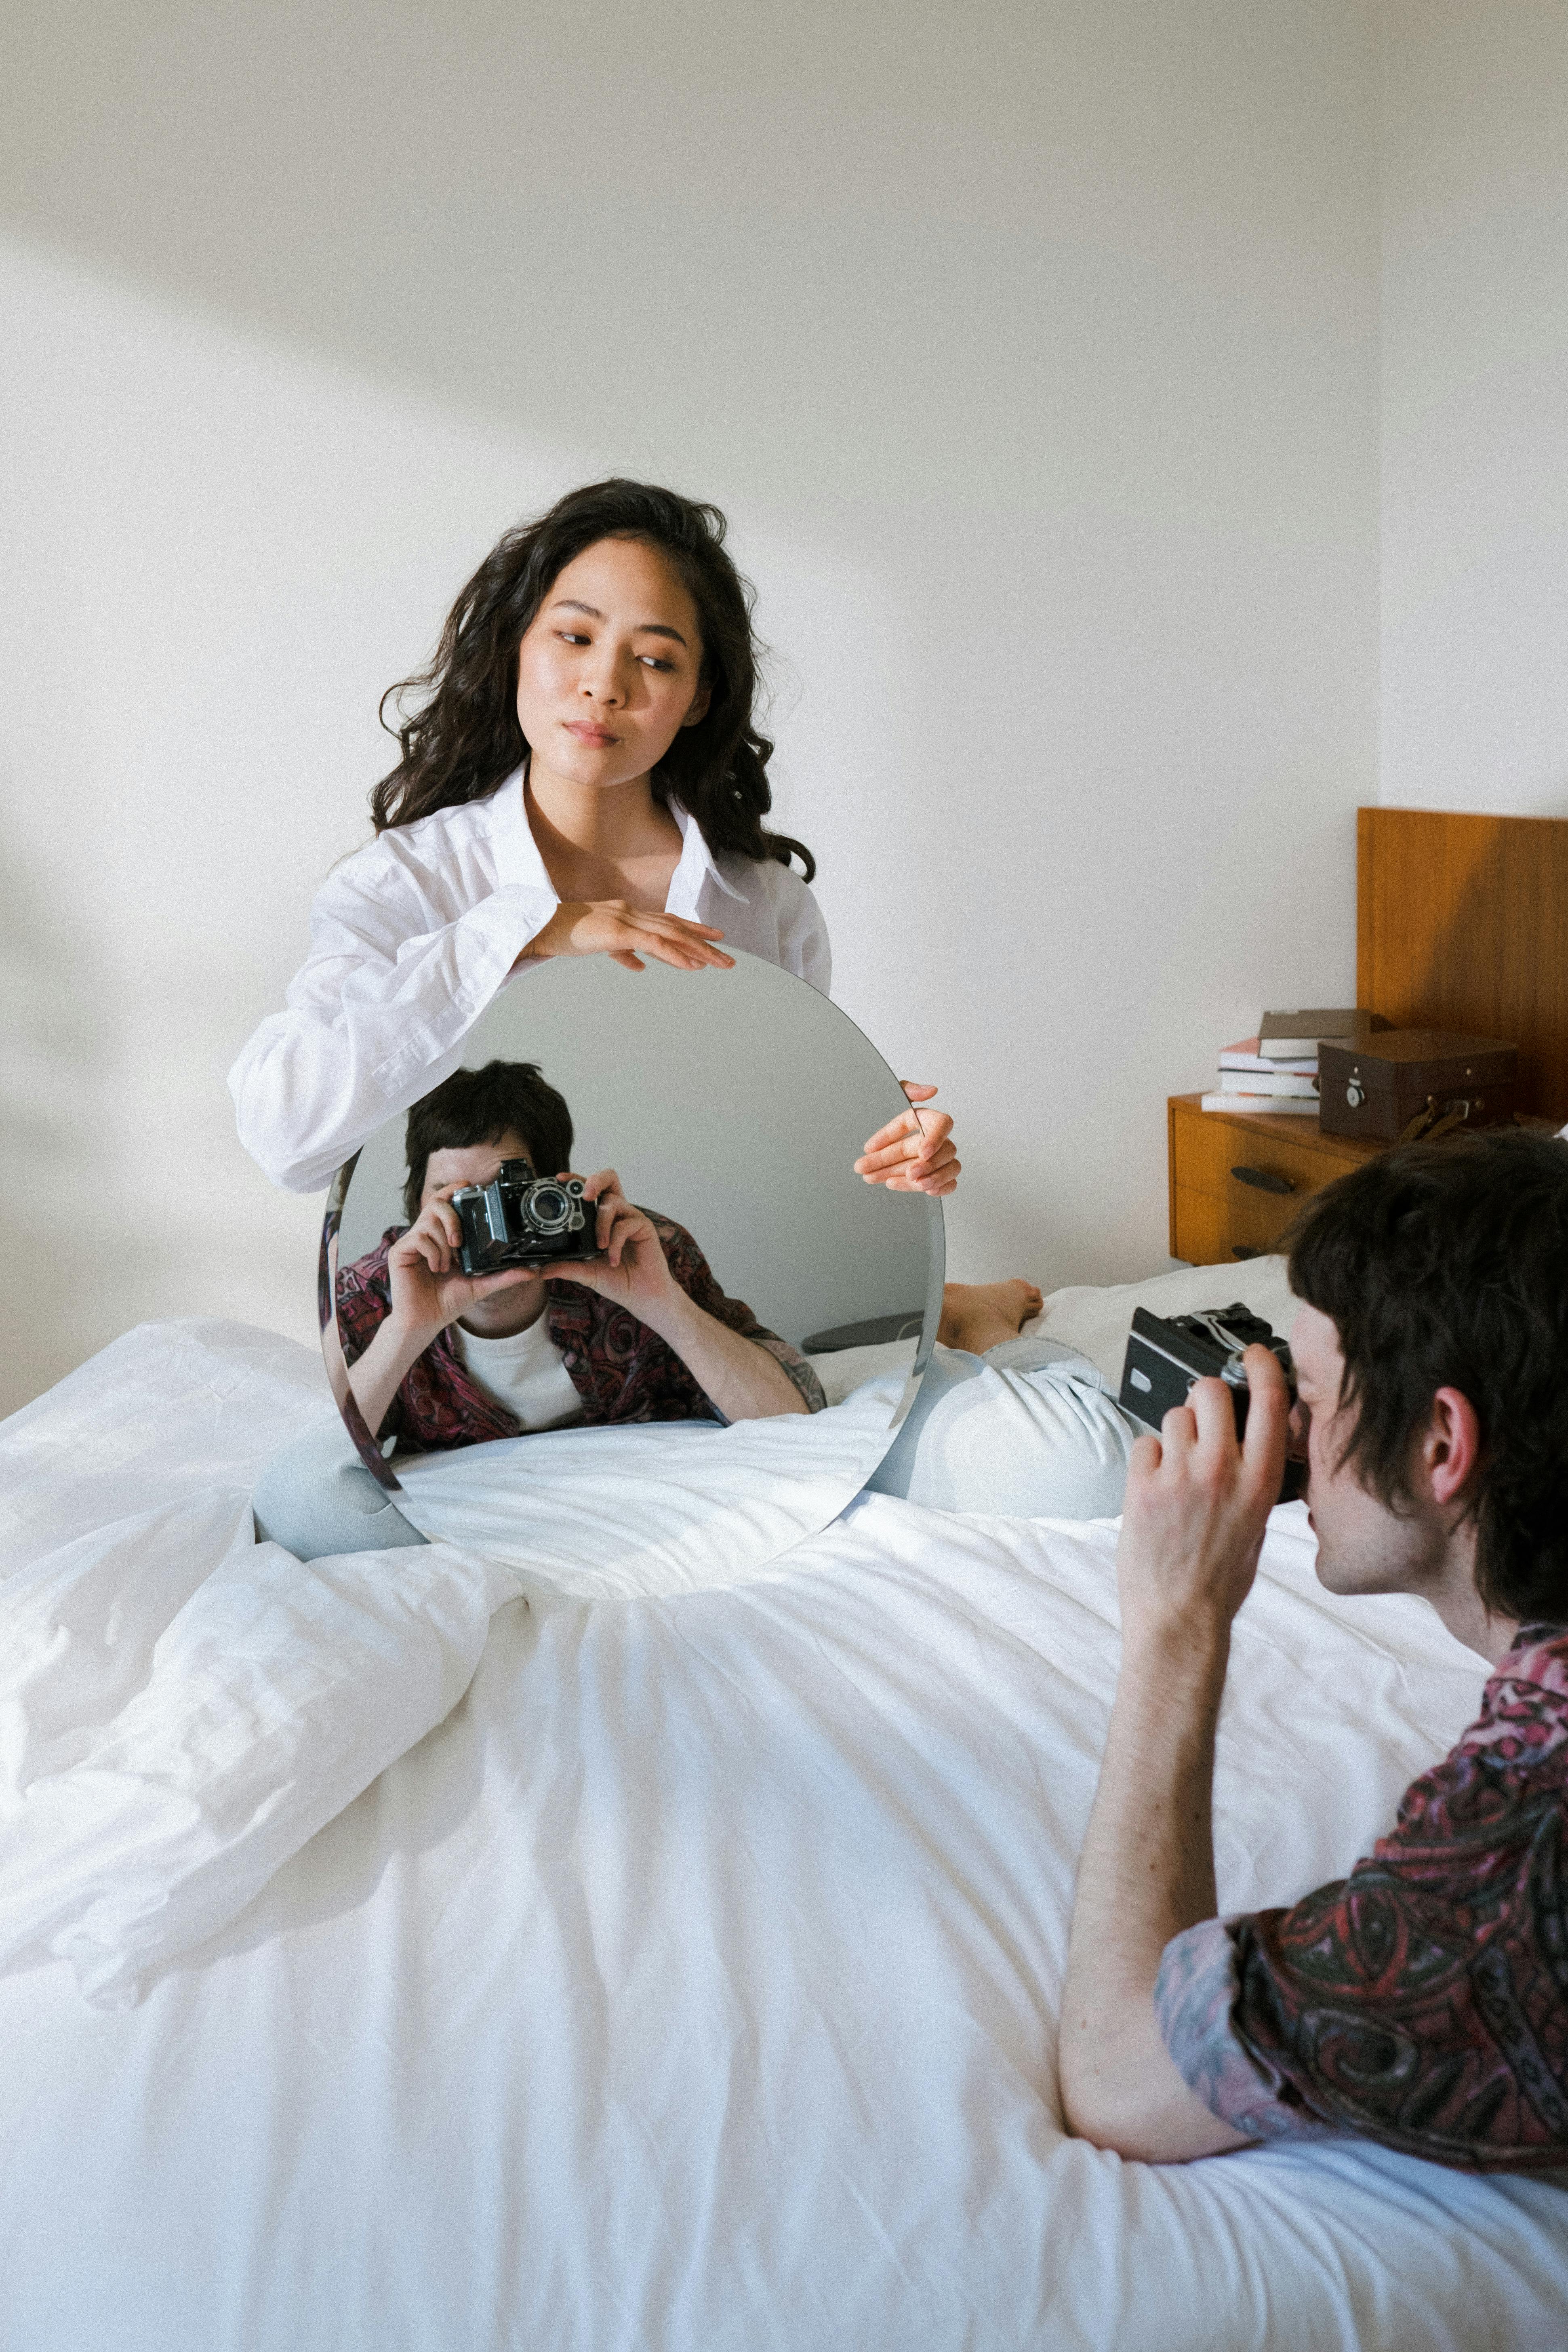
(674, 1968)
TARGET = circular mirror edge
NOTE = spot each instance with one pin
(332, 1355)
(930, 1319)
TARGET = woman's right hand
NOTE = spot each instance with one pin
(429, 1288)
(625, 934)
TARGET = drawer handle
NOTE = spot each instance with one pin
(1243, 1249)
(1262, 1180)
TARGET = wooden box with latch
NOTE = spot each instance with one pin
(1402, 1083)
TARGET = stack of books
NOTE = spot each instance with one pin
(1278, 1069)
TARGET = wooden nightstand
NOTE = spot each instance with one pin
(1238, 1178)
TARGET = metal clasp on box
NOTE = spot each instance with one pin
(1429, 1122)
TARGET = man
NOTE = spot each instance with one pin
(1422, 2002)
(438, 1359)
(641, 1332)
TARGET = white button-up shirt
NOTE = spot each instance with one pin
(411, 938)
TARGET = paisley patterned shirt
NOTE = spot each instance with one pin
(621, 1369)
(1422, 2002)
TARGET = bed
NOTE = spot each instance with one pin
(401, 1956)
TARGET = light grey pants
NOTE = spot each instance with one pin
(1030, 1430)
(317, 1499)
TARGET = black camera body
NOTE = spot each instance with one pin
(1165, 1356)
(521, 1219)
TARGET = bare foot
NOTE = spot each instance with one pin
(981, 1315)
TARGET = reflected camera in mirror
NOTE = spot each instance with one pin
(521, 1219)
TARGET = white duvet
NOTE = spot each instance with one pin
(689, 1983)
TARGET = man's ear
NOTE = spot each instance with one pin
(701, 701)
(1451, 1448)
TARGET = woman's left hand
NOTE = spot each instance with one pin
(914, 1153)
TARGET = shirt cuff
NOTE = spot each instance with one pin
(487, 942)
(1194, 2007)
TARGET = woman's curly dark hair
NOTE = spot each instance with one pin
(1445, 1266)
(464, 740)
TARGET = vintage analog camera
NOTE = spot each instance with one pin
(521, 1219)
(1164, 1358)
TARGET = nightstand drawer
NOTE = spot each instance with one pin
(1237, 1181)
(1210, 1147)
(1209, 1231)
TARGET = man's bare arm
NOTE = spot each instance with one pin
(743, 1379)
(1146, 1872)
(1196, 1507)
(737, 1374)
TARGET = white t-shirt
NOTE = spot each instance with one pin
(525, 1372)
(410, 939)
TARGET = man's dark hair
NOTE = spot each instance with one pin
(481, 1107)
(1445, 1266)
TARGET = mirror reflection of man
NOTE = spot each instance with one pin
(438, 1359)
(643, 1332)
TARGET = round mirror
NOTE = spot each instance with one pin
(685, 1415)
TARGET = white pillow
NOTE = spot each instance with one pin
(273, 1693)
(1096, 1319)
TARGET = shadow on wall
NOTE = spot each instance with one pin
(68, 1253)
(124, 1194)
(261, 545)
(1146, 641)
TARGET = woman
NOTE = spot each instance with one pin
(582, 776)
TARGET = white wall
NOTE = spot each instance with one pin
(1032, 349)
(1475, 466)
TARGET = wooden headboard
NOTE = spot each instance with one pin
(1462, 923)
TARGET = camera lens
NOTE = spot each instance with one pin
(549, 1208)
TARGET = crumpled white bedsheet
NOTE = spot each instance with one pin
(694, 1983)
(180, 1707)
(668, 1506)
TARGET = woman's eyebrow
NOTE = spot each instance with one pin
(643, 628)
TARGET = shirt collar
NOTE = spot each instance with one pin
(517, 859)
(517, 853)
